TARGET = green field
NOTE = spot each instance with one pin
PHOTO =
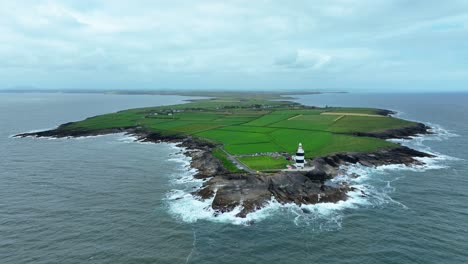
(245, 126)
(264, 162)
(307, 122)
(265, 120)
(218, 153)
(367, 124)
(354, 110)
(239, 149)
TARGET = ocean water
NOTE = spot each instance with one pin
(108, 199)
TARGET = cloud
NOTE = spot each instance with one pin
(303, 59)
(196, 44)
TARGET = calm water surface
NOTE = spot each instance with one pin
(108, 200)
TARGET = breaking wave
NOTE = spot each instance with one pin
(438, 133)
(373, 189)
(31, 131)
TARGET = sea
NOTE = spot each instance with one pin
(109, 199)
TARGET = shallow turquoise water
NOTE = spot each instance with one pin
(108, 200)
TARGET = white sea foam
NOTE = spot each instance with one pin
(438, 133)
(176, 147)
(126, 138)
(42, 138)
(32, 131)
(189, 208)
(323, 216)
(89, 137)
(39, 130)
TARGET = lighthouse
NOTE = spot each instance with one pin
(299, 158)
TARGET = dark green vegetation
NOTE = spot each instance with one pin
(246, 124)
(222, 156)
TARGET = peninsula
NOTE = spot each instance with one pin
(243, 145)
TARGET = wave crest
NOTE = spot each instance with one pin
(323, 216)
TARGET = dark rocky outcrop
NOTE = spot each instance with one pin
(206, 164)
(385, 112)
(404, 132)
(63, 133)
(252, 191)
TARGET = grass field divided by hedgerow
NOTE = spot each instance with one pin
(346, 143)
(268, 119)
(169, 125)
(264, 162)
(244, 126)
(252, 148)
(298, 112)
(231, 167)
(288, 139)
(349, 124)
(253, 129)
(114, 120)
(235, 137)
(357, 110)
(197, 116)
(194, 128)
(307, 122)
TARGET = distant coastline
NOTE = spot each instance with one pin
(182, 92)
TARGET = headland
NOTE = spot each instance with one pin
(243, 144)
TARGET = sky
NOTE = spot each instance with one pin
(334, 45)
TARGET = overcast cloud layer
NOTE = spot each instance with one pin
(333, 44)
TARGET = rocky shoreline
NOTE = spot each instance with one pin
(250, 191)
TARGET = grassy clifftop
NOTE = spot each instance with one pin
(245, 125)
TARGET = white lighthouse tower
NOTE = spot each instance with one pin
(299, 158)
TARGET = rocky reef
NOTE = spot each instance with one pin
(252, 191)
(404, 132)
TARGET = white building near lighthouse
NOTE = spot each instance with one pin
(299, 158)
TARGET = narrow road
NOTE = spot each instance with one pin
(238, 163)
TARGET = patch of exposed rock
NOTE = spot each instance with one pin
(63, 133)
(252, 191)
(404, 132)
